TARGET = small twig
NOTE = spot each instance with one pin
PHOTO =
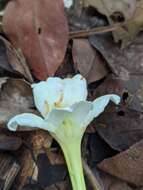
(95, 184)
(97, 30)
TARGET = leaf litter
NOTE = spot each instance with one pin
(36, 44)
(118, 11)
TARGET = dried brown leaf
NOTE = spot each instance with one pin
(42, 36)
(14, 61)
(87, 61)
(15, 98)
(122, 127)
(113, 183)
(127, 165)
(127, 66)
(123, 10)
(108, 7)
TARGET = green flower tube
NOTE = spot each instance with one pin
(70, 142)
(65, 114)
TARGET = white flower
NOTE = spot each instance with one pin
(65, 114)
(61, 99)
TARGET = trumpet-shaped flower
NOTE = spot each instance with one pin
(65, 114)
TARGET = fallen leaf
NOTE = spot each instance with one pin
(126, 165)
(59, 186)
(134, 26)
(98, 149)
(109, 7)
(49, 174)
(42, 36)
(121, 127)
(118, 11)
(10, 142)
(17, 61)
(15, 98)
(110, 85)
(127, 66)
(113, 183)
(87, 61)
(12, 61)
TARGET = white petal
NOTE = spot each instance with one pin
(59, 93)
(80, 112)
(46, 93)
(78, 115)
(99, 105)
(75, 90)
(74, 114)
(101, 102)
(26, 120)
(56, 117)
(68, 3)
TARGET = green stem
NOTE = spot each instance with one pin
(72, 155)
